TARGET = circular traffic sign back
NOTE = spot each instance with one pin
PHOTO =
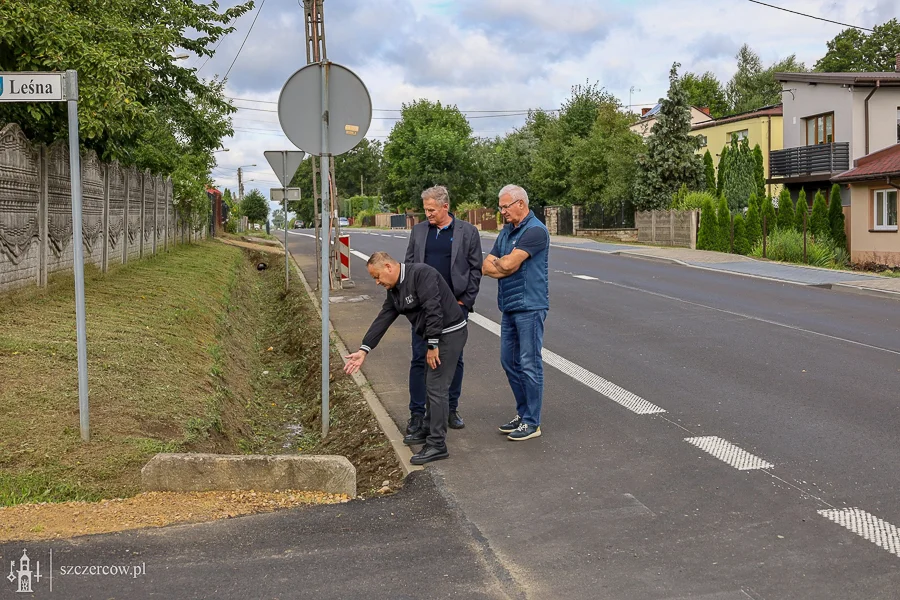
(349, 109)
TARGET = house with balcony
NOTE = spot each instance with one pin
(830, 121)
(762, 127)
(644, 126)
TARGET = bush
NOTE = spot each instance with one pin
(692, 201)
(767, 215)
(818, 222)
(802, 212)
(785, 210)
(724, 219)
(836, 218)
(741, 243)
(787, 246)
(753, 223)
(709, 226)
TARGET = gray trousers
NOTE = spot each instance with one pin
(437, 386)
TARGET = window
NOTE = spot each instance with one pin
(885, 210)
(704, 141)
(820, 129)
(741, 135)
(898, 124)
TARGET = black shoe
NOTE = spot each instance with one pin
(456, 421)
(428, 454)
(416, 439)
(511, 426)
(414, 425)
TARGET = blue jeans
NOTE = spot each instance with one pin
(417, 368)
(521, 340)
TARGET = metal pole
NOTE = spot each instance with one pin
(287, 277)
(78, 261)
(326, 206)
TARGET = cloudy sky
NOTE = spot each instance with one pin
(503, 55)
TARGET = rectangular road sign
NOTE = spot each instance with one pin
(32, 87)
(277, 194)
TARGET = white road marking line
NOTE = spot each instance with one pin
(729, 453)
(615, 393)
(400, 237)
(586, 277)
(868, 526)
(385, 235)
(359, 255)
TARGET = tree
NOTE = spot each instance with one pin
(706, 91)
(853, 50)
(724, 221)
(278, 218)
(752, 86)
(708, 236)
(741, 243)
(255, 207)
(670, 159)
(710, 172)
(836, 217)
(430, 145)
(723, 169)
(739, 176)
(767, 216)
(759, 171)
(801, 212)
(134, 96)
(753, 223)
(818, 221)
(785, 217)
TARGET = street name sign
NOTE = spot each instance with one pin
(32, 87)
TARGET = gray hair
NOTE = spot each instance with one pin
(515, 192)
(379, 259)
(438, 193)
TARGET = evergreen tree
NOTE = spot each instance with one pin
(739, 177)
(753, 223)
(767, 215)
(759, 171)
(724, 219)
(836, 217)
(785, 211)
(741, 243)
(710, 171)
(671, 157)
(723, 169)
(801, 212)
(818, 222)
(707, 237)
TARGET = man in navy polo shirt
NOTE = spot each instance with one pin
(453, 248)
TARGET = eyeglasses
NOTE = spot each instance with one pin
(503, 207)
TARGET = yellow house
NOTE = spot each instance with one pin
(764, 126)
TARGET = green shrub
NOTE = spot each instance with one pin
(801, 212)
(818, 222)
(692, 201)
(767, 215)
(679, 196)
(753, 223)
(709, 226)
(787, 246)
(710, 172)
(785, 210)
(836, 218)
(741, 243)
(724, 219)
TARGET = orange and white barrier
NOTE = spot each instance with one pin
(344, 255)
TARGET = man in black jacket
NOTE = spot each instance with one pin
(418, 292)
(453, 247)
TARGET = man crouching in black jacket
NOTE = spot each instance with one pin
(418, 292)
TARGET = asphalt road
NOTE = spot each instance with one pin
(612, 503)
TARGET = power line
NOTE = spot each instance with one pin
(810, 16)
(263, 3)
(508, 110)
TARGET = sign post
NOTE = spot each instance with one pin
(285, 163)
(340, 123)
(62, 87)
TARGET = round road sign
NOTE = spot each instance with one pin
(349, 109)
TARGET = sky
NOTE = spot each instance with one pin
(501, 55)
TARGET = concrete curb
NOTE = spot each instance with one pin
(387, 424)
(264, 473)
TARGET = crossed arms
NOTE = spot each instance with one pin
(498, 268)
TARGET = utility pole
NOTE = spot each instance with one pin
(240, 186)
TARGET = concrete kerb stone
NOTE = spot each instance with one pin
(214, 472)
(388, 427)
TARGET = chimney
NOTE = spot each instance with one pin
(644, 111)
(897, 66)
(704, 110)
